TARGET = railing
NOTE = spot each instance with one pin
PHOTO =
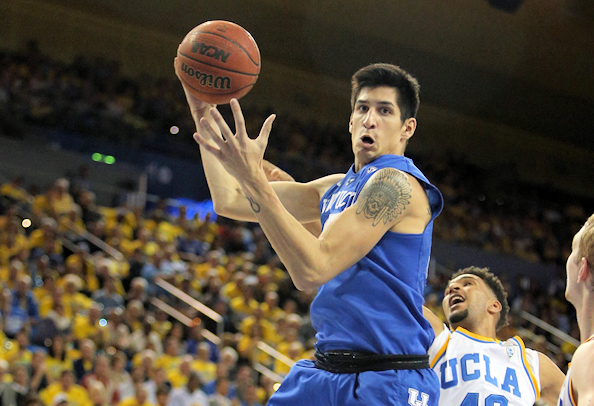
(179, 316)
(217, 318)
(201, 307)
(108, 249)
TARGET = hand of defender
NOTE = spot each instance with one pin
(238, 153)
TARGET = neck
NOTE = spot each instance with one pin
(585, 316)
(482, 329)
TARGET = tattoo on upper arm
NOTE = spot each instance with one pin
(253, 204)
(385, 197)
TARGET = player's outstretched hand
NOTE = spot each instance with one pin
(238, 153)
(198, 108)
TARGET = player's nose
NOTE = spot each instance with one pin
(369, 121)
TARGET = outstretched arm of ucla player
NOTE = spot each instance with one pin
(582, 374)
(551, 379)
(435, 321)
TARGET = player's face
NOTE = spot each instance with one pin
(466, 300)
(574, 262)
(375, 126)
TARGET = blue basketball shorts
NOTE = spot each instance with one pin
(306, 385)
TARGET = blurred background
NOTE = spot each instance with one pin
(90, 107)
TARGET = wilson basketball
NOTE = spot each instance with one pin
(218, 61)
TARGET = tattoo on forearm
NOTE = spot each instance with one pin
(253, 204)
(385, 197)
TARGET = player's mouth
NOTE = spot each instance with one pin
(367, 140)
(456, 299)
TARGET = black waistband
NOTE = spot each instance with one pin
(350, 362)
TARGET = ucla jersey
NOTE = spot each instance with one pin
(566, 394)
(376, 304)
(474, 370)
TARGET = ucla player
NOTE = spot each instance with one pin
(476, 369)
(578, 388)
(370, 261)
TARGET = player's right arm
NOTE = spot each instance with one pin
(300, 199)
(551, 379)
(582, 374)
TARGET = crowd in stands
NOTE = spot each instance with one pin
(81, 326)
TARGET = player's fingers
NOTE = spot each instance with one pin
(226, 132)
(206, 145)
(239, 119)
(265, 131)
(212, 133)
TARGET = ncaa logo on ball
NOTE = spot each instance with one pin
(210, 51)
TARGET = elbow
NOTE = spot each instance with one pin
(308, 280)
(221, 209)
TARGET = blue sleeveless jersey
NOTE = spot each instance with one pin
(376, 305)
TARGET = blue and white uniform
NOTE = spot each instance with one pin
(566, 395)
(479, 371)
(374, 306)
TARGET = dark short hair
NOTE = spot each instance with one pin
(494, 284)
(385, 74)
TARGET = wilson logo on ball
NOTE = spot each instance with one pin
(206, 79)
(210, 51)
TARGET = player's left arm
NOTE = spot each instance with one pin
(582, 374)
(551, 379)
(391, 200)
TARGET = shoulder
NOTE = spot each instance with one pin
(324, 183)
(439, 346)
(390, 183)
(583, 359)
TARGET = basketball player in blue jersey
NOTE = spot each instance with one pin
(578, 388)
(476, 369)
(370, 260)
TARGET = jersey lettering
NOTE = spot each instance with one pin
(464, 365)
(338, 200)
(470, 370)
(413, 398)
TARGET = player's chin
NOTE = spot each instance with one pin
(457, 316)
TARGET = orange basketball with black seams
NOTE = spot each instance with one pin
(218, 61)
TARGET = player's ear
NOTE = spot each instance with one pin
(351, 124)
(584, 270)
(495, 307)
(409, 127)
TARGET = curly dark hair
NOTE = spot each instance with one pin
(494, 284)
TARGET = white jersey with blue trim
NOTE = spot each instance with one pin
(479, 371)
(566, 394)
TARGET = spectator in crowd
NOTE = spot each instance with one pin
(38, 371)
(156, 382)
(189, 394)
(85, 363)
(101, 373)
(75, 394)
(8, 396)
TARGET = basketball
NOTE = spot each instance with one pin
(218, 61)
